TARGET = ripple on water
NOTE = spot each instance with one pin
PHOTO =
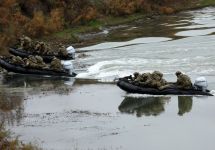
(109, 45)
(196, 32)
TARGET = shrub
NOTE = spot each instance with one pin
(37, 27)
(123, 7)
(56, 20)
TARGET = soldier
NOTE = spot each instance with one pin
(42, 48)
(183, 81)
(63, 51)
(26, 43)
(30, 62)
(17, 60)
(56, 64)
(136, 75)
(37, 46)
(35, 62)
(144, 78)
(154, 80)
(39, 61)
(158, 81)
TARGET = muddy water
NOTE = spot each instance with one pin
(89, 112)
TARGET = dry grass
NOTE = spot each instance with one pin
(8, 143)
(37, 18)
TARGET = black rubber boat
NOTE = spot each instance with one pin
(127, 86)
(4, 63)
(46, 58)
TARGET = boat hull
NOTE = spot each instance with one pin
(125, 85)
(23, 70)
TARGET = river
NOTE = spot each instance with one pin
(91, 113)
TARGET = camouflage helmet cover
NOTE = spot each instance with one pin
(178, 73)
(158, 73)
(136, 73)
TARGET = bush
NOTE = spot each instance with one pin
(56, 20)
(37, 27)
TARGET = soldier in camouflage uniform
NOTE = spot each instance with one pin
(35, 62)
(56, 64)
(26, 43)
(62, 50)
(183, 81)
(154, 80)
(42, 48)
(144, 77)
(136, 76)
(17, 60)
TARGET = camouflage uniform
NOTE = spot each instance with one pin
(35, 62)
(17, 60)
(26, 43)
(144, 78)
(183, 81)
(63, 51)
(40, 62)
(154, 80)
(56, 64)
(136, 75)
(40, 48)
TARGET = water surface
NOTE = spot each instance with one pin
(91, 112)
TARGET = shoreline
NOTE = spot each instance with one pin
(72, 35)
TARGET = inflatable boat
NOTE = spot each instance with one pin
(4, 63)
(126, 85)
(46, 58)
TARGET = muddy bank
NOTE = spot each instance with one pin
(99, 30)
(68, 20)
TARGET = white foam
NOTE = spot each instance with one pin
(112, 69)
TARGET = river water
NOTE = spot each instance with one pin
(91, 112)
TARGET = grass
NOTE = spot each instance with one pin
(207, 2)
(95, 26)
(91, 26)
(8, 143)
(72, 34)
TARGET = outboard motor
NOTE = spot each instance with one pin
(71, 51)
(201, 84)
(68, 66)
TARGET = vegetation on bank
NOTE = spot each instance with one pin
(66, 18)
(8, 143)
(207, 2)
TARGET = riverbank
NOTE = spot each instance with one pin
(66, 22)
(76, 35)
